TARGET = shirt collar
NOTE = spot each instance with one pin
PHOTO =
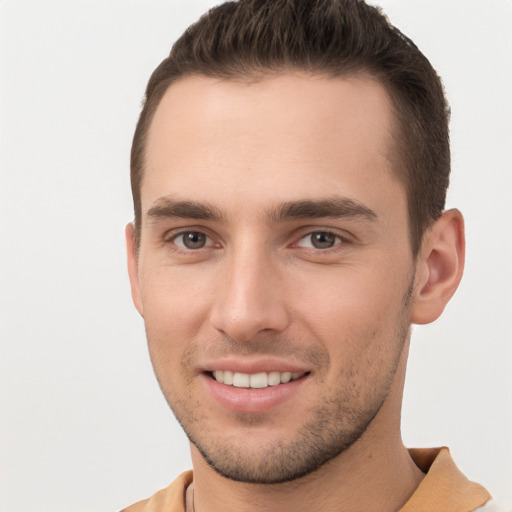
(444, 487)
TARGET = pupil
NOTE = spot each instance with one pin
(323, 240)
(194, 240)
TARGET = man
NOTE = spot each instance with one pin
(289, 172)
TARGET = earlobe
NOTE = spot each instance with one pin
(133, 266)
(439, 267)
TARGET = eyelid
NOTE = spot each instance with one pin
(343, 236)
(170, 237)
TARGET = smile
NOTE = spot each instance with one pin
(254, 380)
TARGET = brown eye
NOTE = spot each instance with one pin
(191, 240)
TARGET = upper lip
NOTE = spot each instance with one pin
(253, 365)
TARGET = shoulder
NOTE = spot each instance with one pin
(492, 506)
(170, 499)
(140, 506)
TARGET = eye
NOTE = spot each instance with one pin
(192, 240)
(320, 240)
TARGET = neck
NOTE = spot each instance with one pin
(375, 474)
(374, 481)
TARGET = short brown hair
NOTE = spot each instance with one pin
(252, 38)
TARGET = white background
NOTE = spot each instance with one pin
(83, 426)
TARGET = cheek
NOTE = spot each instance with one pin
(354, 311)
(346, 295)
(173, 298)
(175, 308)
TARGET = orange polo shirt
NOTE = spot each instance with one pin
(444, 488)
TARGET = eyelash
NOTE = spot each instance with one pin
(342, 240)
(170, 239)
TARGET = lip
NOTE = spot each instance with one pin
(248, 400)
(253, 365)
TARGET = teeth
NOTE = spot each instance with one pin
(255, 380)
(286, 377)
(241, 380)
(274, 378)
(258, 380)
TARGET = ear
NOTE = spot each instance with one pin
(133, 266)
(439, 267)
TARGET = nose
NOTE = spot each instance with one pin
(250, 298)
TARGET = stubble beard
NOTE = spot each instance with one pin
(315, 443)
(335, 425)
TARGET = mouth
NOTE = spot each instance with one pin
(259, 380)
(245, 387)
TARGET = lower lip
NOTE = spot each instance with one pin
(252, 400)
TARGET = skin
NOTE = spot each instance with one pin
(259, 292)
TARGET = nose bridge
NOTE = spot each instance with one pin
(250, 295)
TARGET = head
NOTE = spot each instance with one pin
(289, 171)
(244, 41)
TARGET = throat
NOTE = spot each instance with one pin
(369, 485)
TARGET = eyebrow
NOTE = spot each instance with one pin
(165, 208)
(331, 207)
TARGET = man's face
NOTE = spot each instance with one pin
(274, 254)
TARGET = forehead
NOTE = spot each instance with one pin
(273, 139)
